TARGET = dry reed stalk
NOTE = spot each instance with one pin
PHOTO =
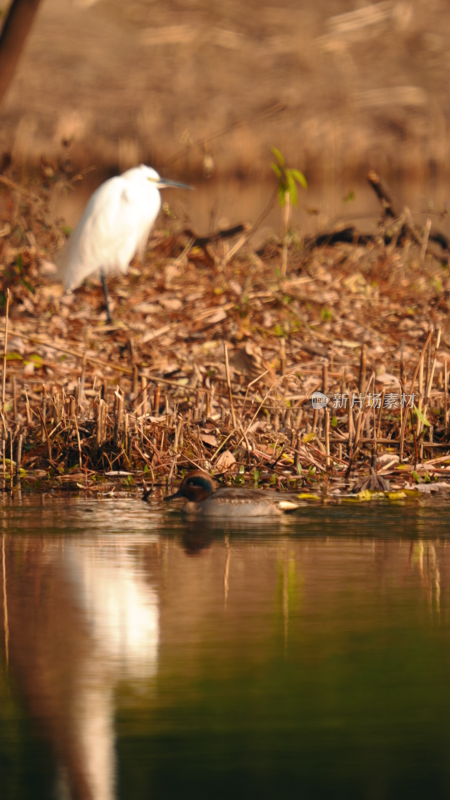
(411, 391)
(46, 436)
(118, 416)
(433, 366)
(420, 401)
(125, 434)
(350, 424)
(416, 452)
(282, 356)
(172, 468)
(178, 433)
(44, 412)
(325, 378)
(298, 418)
(228, 379)
(315, 420)
(144, 395)
(232, 252)
(82, 380)
(327, 437)
(446, 394)
(249, 448)
(374, 432)
(252, 383)
(14, 394)
(135, 389)
(420, 360)
(11, 463)
(5, 350)
(27, 407)
(80, 456)
(359, 423)
(156, 399)
(362, 369)
(298, 443)
(100, 437)
(19, 455)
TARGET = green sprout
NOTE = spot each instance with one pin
(287, 195)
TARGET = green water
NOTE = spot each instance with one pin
(145, 657)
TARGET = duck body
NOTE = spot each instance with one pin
(204, 501)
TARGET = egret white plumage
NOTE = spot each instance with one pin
(114, 226)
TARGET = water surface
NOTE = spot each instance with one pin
(143, 656)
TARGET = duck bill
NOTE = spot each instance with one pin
(173, 496)
(164, 183)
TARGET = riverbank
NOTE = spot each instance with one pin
(215, 355)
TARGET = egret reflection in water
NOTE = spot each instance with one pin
(94, 623)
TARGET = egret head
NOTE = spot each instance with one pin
(161, 183)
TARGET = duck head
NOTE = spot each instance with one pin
(196, 486)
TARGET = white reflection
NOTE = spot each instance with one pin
(120, 617)
(120, 607)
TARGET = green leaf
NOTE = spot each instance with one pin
(282, 194)
(299, 177)
(292, 189)
(28, 285)
(67, 230)
(13, 357)
(279, 157)
(349, 197)
(421, 416)
(415, 476)
(35, 358)
(277, 170)
(334, 422)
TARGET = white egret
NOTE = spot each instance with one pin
(114, 226)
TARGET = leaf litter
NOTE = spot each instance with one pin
(213, 357)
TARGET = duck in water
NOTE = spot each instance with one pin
(203, 500)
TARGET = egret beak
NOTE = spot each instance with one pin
(164, 183)
(173, 496)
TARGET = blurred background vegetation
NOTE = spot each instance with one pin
(338, 86)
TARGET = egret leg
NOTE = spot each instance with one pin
(105, 292)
